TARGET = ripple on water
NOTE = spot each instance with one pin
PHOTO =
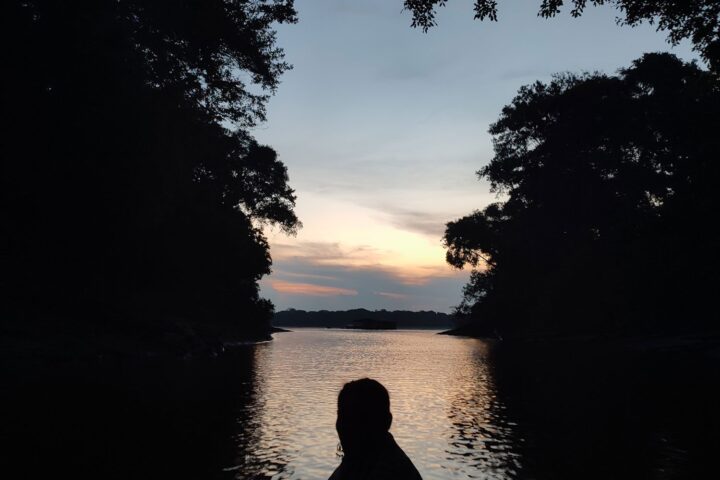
(446, 414)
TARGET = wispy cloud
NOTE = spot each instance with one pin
(310, 250)
(359, 258)
(371, 287)
(284, 274)
(396, 296)
(426, 223)
(309, 289)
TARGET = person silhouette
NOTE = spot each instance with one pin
(363, 424)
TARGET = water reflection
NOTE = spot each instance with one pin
(484, 441)
(462, 409)
(447, 416)
(598, 410)
(123, 418)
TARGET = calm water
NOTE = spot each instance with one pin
(447, 416)
(463, 408)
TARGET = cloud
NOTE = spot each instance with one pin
(330, 253)
(357, 258)
(280, 274)
(326, 250)
(396, 296)
(309, 289)
(426, 223)
(373, 287)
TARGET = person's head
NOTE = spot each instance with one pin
(363, 414)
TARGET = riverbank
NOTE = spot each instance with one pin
(706, 344)
(52, 340)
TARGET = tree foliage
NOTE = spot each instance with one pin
(130, 181)
(610, 200)
(696, 20)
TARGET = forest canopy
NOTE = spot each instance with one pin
(610, 197)
(695, 20)
(132, 188)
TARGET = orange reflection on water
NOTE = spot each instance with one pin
(447, 416)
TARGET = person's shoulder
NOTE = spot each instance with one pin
(336, 475)
(397, 465)
(339, 473)
(400, 469)
(406, 469)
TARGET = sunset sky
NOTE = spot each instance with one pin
(382, 128)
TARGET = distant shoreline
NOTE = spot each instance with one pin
(403, 319)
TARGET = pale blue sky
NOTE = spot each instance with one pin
(382, 127)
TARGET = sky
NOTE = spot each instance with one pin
(382, 128)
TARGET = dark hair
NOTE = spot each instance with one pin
(364, 404)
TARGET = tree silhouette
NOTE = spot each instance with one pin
(609, 204)
(697, 20)
(131, 186)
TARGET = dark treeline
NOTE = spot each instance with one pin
(694, 20)
(339, 319)
(609, 199)
(132, 193)
(606, 218)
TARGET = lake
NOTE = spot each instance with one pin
(447, 416)
(463, 408)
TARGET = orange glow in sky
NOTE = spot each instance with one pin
(361, 254)
(382, 135)
(355, 237)
(309, 289)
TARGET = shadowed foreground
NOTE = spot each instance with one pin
(461, 407)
